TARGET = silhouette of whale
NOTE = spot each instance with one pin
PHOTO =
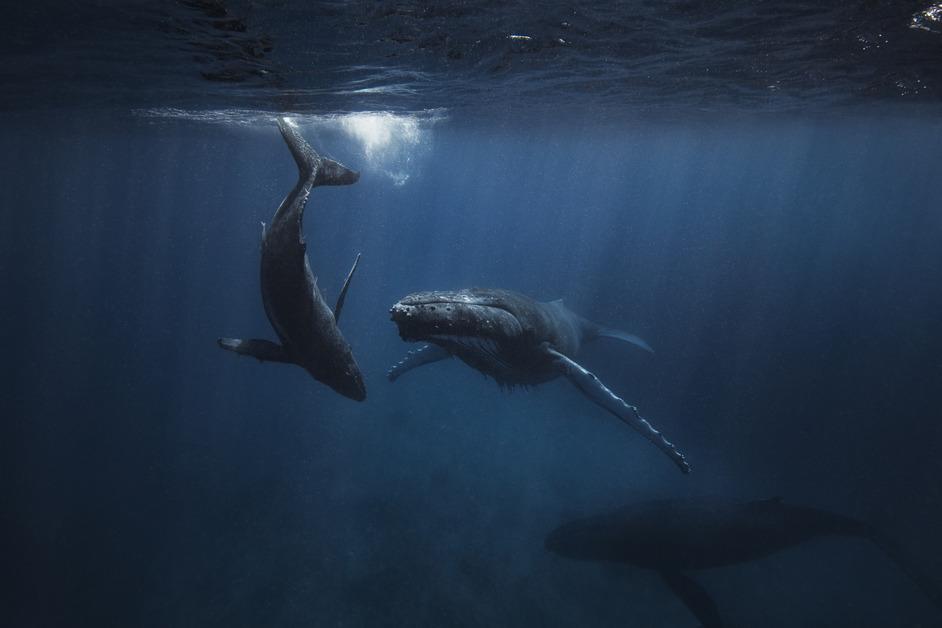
(672, 537)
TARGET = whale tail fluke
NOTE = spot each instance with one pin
(330, 172)
(261, 350)
(907, 565)
(311, 166)
(591, 331)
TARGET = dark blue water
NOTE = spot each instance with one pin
(785, 265)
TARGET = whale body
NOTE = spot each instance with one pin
(305, 325)
(673, 537)
(516, 340)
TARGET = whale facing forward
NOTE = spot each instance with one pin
(305, 325)
(515, 340)
(672, 537)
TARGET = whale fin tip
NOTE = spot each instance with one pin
(261, 350)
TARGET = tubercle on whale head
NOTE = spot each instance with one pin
(419, 321)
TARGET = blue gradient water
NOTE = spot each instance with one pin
(784, 265)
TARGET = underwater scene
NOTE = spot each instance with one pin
(471, 313)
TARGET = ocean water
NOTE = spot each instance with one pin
(751, 188)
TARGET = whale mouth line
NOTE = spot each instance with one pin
(483, 347)
(470, 341)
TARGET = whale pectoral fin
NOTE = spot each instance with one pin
(343, 291)
(426, 354)
(595, 390)
(261, 350)
(694, 597)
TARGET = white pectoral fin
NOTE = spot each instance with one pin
(426, 354)
(594, 389)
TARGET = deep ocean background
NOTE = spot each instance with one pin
(785, 270)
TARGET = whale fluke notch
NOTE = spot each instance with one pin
(261, 350)
(343, 291)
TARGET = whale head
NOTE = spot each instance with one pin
(485, 328)
(456, 318)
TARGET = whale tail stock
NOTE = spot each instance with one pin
(702, 606)
(906, 564)
(311, 166)
(847, 526)
(313, 170)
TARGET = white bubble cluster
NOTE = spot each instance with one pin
(390, 141)
(929, 19)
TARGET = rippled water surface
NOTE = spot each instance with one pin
(321, 57)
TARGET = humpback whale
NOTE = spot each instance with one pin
(672, 537)
(295, 307)
(516, 340)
